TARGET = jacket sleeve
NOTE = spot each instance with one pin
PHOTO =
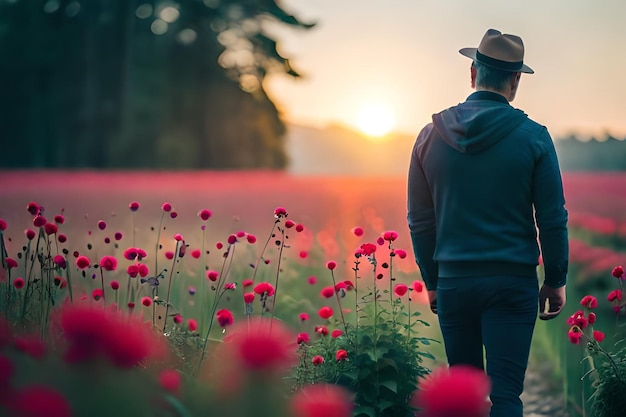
(421, 218)
(550, 214)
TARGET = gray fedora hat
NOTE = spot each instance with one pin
(501, 51)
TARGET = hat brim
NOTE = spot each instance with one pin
(471, 53)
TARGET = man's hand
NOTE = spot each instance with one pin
(432, 297)
(556, 301)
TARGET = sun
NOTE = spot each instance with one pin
(375, 120)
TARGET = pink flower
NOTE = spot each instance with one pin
(589, 301)
(131, 254)
(390, 235)
(322, 400)
(317, 360)
(133, 206)
(400, 289)
(418, 286)
(401, 253)
(39, 221)
(336, 333)
(312, 280)
(115, 285)
(289, 224)
(618, 272)
(264, 288)
(357, 231)
(170, 380)
(247, 283)
(108, 263)
(303, 338)
(251, 238)
(240, 233)
(328, 292)
(18, 283)
(38, 401)
(591, 317)
(102, 224)
(224, 317)
(325, 312)
(192, 324)
(177, 318)
(341, 355)
(248, 298)
(303, 254)
(323, 330)
(331, 265)
(380, 241)
(280, 212)
(30, 234)
(146, 301)
(178, 237)
(11, 263)
(82, 262)
(3, 225)
(456, 391)
(205, 214)
(33, 208)
(575, 334)
(299, 227)
(50, 228)
(615, 295)
(118, 236)
(303, 316)
(212, 275)
(368, 249)
(97, 294)
(232, 239)
(62, 238)
(196, 253)
(166, 207)
(173, 215)
(598, 335)
(578, 319)
(169, 255)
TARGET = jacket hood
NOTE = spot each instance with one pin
(478, 123)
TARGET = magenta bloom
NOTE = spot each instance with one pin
(247, 282)
(133, 206)
(618, 272)
(232, 239)
(312, 280)
(341, 355)
(205, 214)
(146, 301)
(418, 286)
(280, 212)
(212, 275)
(357, 231)
(400, 289)
(170, 380)
(303, 338)
(317, 360)
(177, 318)
(11, 263)
(82, 262)
(30, 234)
(62, 238)
(325, 312)
(589, 301)
(3, 225)
(118, 236)
(368, 249)
(390, 235)
(264, 288)
(299, 227)
(192, 324)
(50, 228)
(615, 295)
(401, 253)
(166, 207)
(196, 253)
(598, 335)
(289, 224)
(108, 263)
(97, 294)
(303, 316)
(178, 237)
(59, 219)
(251, 238)
(39, 221)
(59, 260)
(102, 224)
(248, 297)
(169, 255)
(575, 334)
(336, 333)
(115, 285)
(33, 208)
(328, 292)
(38, 400)
(331, 265)
(18, 283)
(224, 317)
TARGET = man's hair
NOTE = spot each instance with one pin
(492, 78)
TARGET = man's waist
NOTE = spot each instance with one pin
(449, 269)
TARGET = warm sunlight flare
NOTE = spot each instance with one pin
(375, 120)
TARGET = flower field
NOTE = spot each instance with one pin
(260, 285)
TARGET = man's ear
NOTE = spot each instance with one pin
(473, 75)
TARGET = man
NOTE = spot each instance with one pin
(483, 180)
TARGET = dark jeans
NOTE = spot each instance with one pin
(499, 313)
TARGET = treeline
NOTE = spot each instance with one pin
(140, 84)
(603, 154)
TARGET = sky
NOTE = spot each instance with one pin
(402, 56)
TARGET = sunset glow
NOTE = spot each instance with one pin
(375, 120)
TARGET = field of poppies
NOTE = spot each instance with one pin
(253, 259)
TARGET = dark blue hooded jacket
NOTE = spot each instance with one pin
(485, 195)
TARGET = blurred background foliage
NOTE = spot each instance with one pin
(141, 83)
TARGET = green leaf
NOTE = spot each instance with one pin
(391, 385)
(362, 410)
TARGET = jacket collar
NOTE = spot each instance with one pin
(488, 95)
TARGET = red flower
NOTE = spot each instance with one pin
(146, 301)
(11, 263)
(323, 330)
(205, 214)
(248, 297)
(178, 237)
(341, 355)
(317, 360)
(303, 254)
(368, 249)
(578, 319)
(133, 206)
(177, 318)
(575, 334)
(170, 380)
(592, 318)
(3, 225)
(82, 262)
(618, 272)
(173, 215)
(59, 260)
(264, 288)
(280, 212)
(102, 224)
(224, 317)
(39, 221)
(108, 263)
(169, 254)
(598, 335)
(589, 301)
(30, 234)
(131, 254)
(390, 235)
(400, 289)
(166, 207)
(456, 391)
(357, 231)
(196, 253)
(50, 228)
(336, 333)
(115, 285)
(33, 208)
(380, 240)
(322, 400)
(212, 275)
(38, 401)
(118, 236)
(401, 253)
(303, 316)
(289, 224)
(142, 269)
(18, 283)
(247, 282)
(132, 270)
(97, 294)
(232, 239)
(312, 280)
(331, 265)
(303, 338)
(192, 324)
(418, 286)
(328, 292)
(299, 227)
(325, 312)
(615, 295)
